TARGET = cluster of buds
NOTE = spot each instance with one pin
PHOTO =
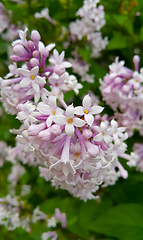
(92, 20)
(77, 147)
(122, 90)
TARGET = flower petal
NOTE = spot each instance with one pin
(98, 137)
(60, 119)
(89, 119)
(96, 109)
(24, 83)
(70, 111)
(103, 126)
(69, 128)
(78, 122)
(35, 87)
(86, 102)
(78, 111)
(44, 108)
(35, 70)
(40, 80)
(23, 72)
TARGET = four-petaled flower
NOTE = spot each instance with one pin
(87, 110)
(31, 78)
(69, 120)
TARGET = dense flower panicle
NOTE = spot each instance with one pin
(74, 156)
(90, 24)
(87, 28)
(122, 89)
(74, 147)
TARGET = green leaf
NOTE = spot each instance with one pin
(3, 48)
(117, 42)
(37, 231)
(90, 210)
(85, 53)
(124, 221)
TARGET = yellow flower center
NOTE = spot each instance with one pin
(32, 77)
(137, 80)
(76, 155)
(85, 111)
(70, 120)
(54, 112)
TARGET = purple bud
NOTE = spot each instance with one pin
(15, 58)
(56, 129)
(30, 46)
(87, 133)
(19, 50)
(35, 129)
(59, 69)
(34, 62)
(45, 134)
(93, 150)
(36, 54)
(45, 53)
(136, 60)
(35, 36)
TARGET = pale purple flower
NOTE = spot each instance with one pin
(44, 14)
(31, 78)
(69, 120)
(104, 133)
(87, 110)
(49, 235)
(59, 63)
(50, 110)
(61, 217)
(27, 112)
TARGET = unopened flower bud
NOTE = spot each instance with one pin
(36, 54)
(35, 36)
(87, 133)
(136, 60)
(31, 46)
(19, 50)
(34, 62)
(35, 129)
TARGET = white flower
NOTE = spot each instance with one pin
(104, 133)
(69, 120)
(87, 110)
(50, 109)
(31, 78)
(52, 222)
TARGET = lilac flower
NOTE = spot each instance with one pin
(87, 110)
(59, 64)
(69, 120)
(52, 110)
(27, 112)
(49, 235)
(31, 78)
(44, 14)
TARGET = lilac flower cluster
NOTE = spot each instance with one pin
(122, 89)
(77, 148)
(92, 20)
(12, 217)
(15, 211)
